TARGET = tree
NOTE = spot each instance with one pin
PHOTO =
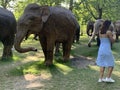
(84, 10)
(6, 3)
(102, 8)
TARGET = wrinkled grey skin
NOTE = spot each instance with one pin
(7, 31)
(98, 23)
(117, 29)
(51, 24)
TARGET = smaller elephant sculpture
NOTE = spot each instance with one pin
(96, 29)
(90, 27)
(7, 31)
(117, 29)
(51, 24)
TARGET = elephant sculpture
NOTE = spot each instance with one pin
(90, 27)
(7, 31)
(117, 29)
(96, 29)
(51, 24)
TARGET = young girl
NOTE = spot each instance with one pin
(105, 57)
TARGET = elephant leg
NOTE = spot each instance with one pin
(7, 47)
(49, 58)
(117, 37)
(7, 51)
(57, 46)
(98, 40)
(66, 51)
(48, 51)
(43, 45)
(77, 38)
(49, 54)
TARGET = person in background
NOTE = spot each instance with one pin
(105, 58)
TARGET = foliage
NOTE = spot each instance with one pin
(84, 10)
(87, 10)
(111, 10)
(6, 3)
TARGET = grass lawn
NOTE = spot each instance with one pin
(26, 71)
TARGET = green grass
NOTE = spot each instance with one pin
(60, 76)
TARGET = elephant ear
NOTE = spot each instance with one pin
(45, 13)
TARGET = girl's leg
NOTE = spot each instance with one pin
(102, 69)
(108, 78)
(110, 69)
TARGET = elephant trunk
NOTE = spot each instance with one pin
(88, 32)
(18, 40)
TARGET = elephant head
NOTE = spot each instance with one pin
(97, 25)
(31, 22)
(96, 29)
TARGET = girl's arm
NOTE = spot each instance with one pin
(111, 36)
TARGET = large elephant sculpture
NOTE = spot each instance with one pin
(90, 27)
(7, 31)
(51, 24)
(98, 23)
(117, 28)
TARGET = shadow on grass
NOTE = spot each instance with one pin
(8, 60)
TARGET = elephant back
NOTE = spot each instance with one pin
(5, 12)
(32, 8)
(61, 11)
(7, 19)
(97, 25)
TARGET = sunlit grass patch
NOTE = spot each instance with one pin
(116, 73)
(16, 58)
(32, 67)
(35, 67)
(63, 68)
(94, 67)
